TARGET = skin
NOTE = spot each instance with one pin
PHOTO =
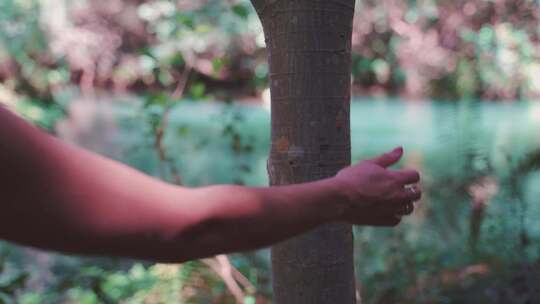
(59, 197)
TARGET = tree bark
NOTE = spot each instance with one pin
(309, 53)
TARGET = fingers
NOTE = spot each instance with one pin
(409, 194)
(388, 159)
(405, 200)
(406, 176)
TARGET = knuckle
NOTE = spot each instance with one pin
(401, 196)
(393, 182)
(366, 162)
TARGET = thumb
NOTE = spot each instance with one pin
(389, 158)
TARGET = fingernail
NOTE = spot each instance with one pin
(398, 150)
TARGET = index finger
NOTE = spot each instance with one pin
(407, 176)
(389, 158)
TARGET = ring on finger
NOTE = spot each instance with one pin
(414, 191)
(411, 189)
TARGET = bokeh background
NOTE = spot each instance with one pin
(178, 89)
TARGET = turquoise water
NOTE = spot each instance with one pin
(428, 131)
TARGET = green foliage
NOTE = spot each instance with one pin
(241, 10)
(439, 49)
(33, 71)
(12, 276)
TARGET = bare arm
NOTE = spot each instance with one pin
(60, 197)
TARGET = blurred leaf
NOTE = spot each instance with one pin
(31, 298)
(197, 90)
(249, 300)
(240, 10)
(217, 65)
(186, 20)
(10, 282)
(5, 298)
(159, 99)
(183, 130)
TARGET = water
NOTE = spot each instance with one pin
(429, 131)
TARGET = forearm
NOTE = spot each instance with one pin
(60, 197)
(57, 196)
(239, 218)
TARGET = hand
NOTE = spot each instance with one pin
(376, 195)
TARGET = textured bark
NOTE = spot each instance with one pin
(309, 44)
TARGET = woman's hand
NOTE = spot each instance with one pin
(376, 195)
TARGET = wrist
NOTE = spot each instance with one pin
(336, 205)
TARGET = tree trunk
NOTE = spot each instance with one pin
(309, 43)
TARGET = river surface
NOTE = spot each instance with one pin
(195, 138)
